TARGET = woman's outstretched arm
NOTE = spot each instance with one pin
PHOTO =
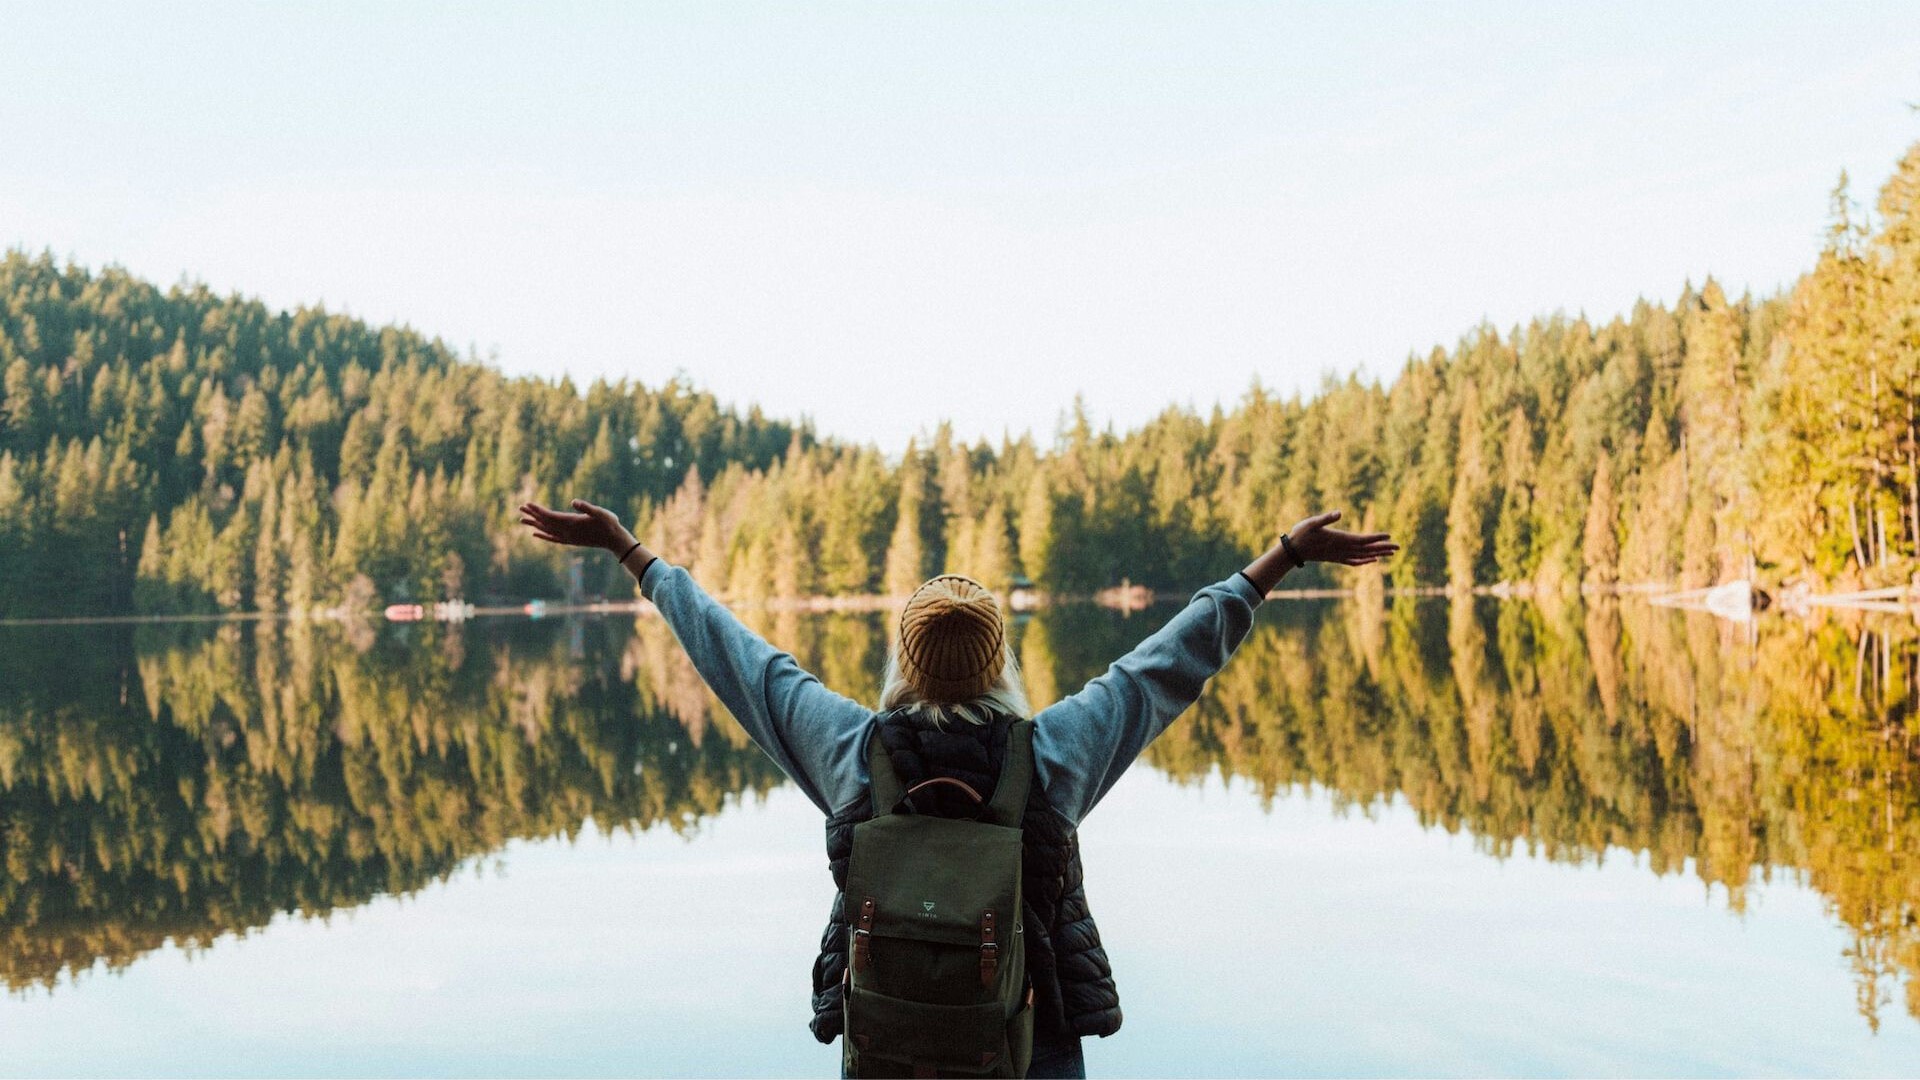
(815, 735)
(1084, 743)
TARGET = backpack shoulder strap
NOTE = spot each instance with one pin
(1009, 802)
(887, 789)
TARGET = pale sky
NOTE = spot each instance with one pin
(878, 216)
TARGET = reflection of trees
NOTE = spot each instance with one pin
(180, 784)
(847, 651)
(1572, 729)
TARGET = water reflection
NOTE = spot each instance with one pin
(1573, 730)
(176, 783)
(169, 783)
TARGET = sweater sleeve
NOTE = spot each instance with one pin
(1084, 743)
(815, 735)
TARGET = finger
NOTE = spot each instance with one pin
(557, 517)
(549, 539)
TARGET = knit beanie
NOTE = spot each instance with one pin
(952, 642)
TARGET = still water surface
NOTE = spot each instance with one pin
(1439, 838)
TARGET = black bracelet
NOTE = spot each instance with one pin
(1286, 542)
(631, 550)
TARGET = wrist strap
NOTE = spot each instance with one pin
(1286, 543)
(631, 550)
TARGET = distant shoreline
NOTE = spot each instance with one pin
(810, 604)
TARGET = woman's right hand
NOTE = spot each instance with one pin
(1312, 541)
(587, 526)
(1317, 543)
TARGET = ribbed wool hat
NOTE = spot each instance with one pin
(952, 640)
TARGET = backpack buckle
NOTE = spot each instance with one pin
(989, 951)
(863, 936)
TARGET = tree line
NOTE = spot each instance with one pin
(181, 451)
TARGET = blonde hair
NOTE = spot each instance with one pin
(1007, 696)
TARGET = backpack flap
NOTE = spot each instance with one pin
(934, 879)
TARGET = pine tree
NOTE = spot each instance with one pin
(992, 560)
(1469, 512)
(152, 591)
(1040, 548)
(906, 564)
(1600, 545)
(1513, 539)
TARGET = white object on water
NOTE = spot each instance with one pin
(452, 611)
(1734, 601)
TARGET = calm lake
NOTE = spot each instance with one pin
(1433, 837)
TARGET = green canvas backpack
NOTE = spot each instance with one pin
(936, 972)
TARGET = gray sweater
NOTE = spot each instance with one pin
(1081, 744)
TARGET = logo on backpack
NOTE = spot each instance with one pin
(926, 906)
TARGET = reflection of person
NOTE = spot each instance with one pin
(952, 687)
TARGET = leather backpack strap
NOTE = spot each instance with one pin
(887, 789)
(1009, 803)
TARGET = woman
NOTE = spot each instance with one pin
(951, 691)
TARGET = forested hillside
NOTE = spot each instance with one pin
(182, 451)
(176, 450)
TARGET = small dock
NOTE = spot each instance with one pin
(1893, 599)
(1734, 600)
(1740, 600)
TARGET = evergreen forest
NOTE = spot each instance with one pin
(173, 451)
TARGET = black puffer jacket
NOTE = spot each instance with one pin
(1073, 990)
